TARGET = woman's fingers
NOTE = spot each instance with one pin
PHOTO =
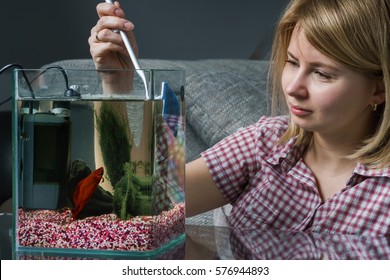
(106, 9)
(113, 22)
(106, 43)
(105, 49)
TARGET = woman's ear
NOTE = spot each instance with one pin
(379, 95)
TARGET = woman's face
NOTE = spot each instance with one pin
(322, 95)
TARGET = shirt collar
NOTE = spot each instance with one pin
(288, 154)
(285, 155)
(367, 171)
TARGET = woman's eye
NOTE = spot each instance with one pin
(322, 75)
(292, 62)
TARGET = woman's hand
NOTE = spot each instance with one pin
(106, 46)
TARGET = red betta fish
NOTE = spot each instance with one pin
(85, 189)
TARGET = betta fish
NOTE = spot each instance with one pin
(85, 189)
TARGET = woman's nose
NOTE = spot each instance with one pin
(297, 85)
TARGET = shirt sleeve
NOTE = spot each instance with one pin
(235, 160)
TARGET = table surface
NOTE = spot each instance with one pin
(203, 242)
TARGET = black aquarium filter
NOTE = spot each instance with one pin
(45, 158)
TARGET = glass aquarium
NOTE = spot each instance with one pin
(98, 167)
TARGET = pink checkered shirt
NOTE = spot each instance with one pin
(270, 185)
(272, 244)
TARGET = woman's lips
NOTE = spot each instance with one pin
(299, 111)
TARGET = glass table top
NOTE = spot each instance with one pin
(214, 242)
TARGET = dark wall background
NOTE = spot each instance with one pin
(39, 32)
(34, 33)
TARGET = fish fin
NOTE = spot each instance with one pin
(85, 189)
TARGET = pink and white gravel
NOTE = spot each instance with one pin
(57, 229)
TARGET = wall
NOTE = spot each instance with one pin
(35, 33)
(39, 32)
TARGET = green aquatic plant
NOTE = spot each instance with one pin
(144, 165)
(132, 196)
(114, 141)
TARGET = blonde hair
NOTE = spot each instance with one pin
(356, 35)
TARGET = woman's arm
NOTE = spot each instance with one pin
(200, 190)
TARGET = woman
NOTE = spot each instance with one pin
(325, 165)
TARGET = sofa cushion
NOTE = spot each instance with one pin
(220, 101)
